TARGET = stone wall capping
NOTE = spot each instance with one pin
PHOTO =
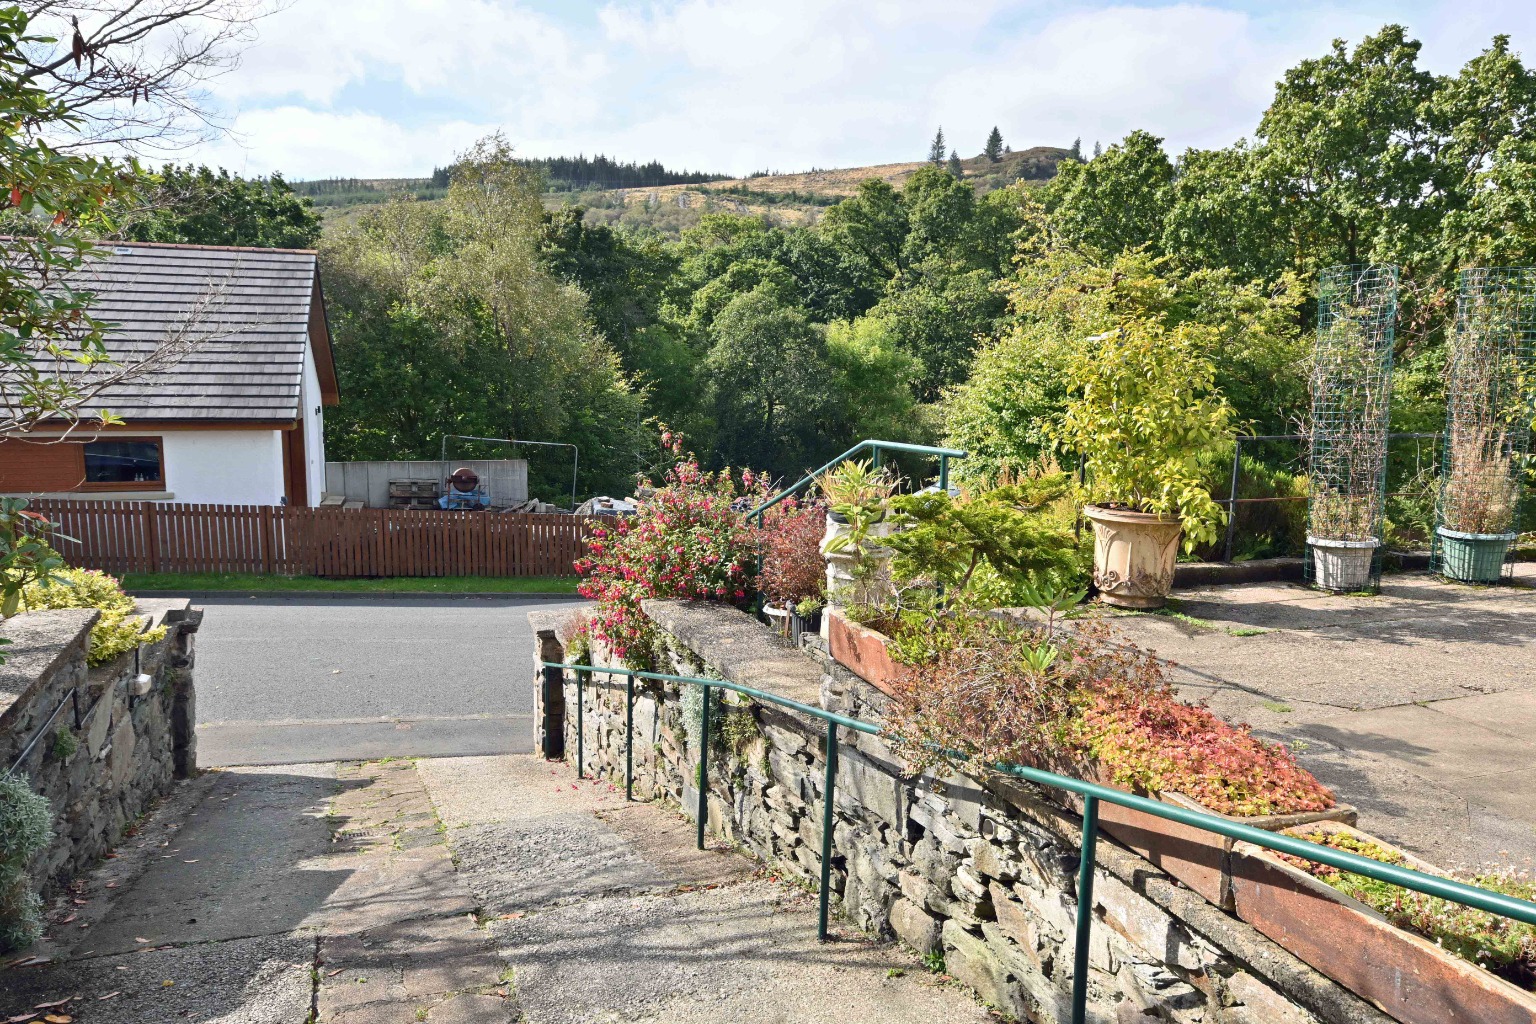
(739, 648)
(40, 643)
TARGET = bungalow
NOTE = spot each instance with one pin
(237, 419)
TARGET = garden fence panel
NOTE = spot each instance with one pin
(176, 537)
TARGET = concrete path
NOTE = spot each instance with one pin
(477, 889)
(1418, 705)
(299, 679)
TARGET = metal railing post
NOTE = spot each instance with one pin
(581, 728)
(703, 780)
(944, 473)
(1084, 909)
(828, 792)
(629, 736)
(1237, 467)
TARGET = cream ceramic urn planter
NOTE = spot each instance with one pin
(1133, 555)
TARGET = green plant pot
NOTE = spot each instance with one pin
(1473, 557)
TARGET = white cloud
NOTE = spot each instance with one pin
(384, 87)
(460, 47)
(304, 143)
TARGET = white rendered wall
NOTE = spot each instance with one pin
(228, 467)
(314, 429)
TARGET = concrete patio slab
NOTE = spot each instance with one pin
(1436, 745)
(1512, 713)
(1418, 705)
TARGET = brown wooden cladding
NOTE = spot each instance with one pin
(38, 466)
(151, 536)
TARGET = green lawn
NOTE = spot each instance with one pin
(138, 581)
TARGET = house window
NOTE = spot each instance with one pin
(113, 463)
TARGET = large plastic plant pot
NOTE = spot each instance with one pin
(1473, 557)
(1133, 556)
(1342, 566)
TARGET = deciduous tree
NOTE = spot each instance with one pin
(205, 207)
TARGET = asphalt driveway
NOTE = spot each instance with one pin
(309, 678)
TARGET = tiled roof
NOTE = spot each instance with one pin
(247, 311)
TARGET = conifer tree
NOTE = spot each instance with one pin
(1098, 150)
(994, 149)
(936, 149)
(1076, 152)
(955, 166)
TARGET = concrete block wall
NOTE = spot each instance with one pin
(980, 872)
(505, 480)
(87, 739)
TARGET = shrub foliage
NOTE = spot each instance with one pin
(686, 541)
(118, 630)
(25, 828)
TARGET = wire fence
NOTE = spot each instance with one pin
(1486, 453)
(1351, 400)
(1267, 494)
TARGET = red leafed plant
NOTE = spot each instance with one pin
(793, 566)
(686, 541)
(990, 692)
(1152, 741)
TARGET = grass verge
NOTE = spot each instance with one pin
(237, 581)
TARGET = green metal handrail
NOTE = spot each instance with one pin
(1091, 792)
(875, 448)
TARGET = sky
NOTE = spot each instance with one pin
(393, 88)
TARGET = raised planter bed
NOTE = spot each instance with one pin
(861, 650)
(1407, 976)
(1201, 860)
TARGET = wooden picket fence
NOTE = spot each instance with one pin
(150, 536)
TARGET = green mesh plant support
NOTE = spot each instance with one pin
(1351, 399)
(1489, 396)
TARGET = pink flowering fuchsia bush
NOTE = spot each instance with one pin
(689, 540)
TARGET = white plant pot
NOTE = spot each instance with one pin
(1342, 566)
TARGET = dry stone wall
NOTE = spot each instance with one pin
(980, 872)
(99, 743)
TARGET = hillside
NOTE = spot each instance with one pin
(790, 199)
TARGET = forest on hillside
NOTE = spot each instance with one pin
(932, 312)
(556, 174)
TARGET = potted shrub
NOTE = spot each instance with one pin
(804, 618)
(856, 494)
(793, 569)
(948, 555)
(1477, 506)
(1342, 538)
(1146, 408)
